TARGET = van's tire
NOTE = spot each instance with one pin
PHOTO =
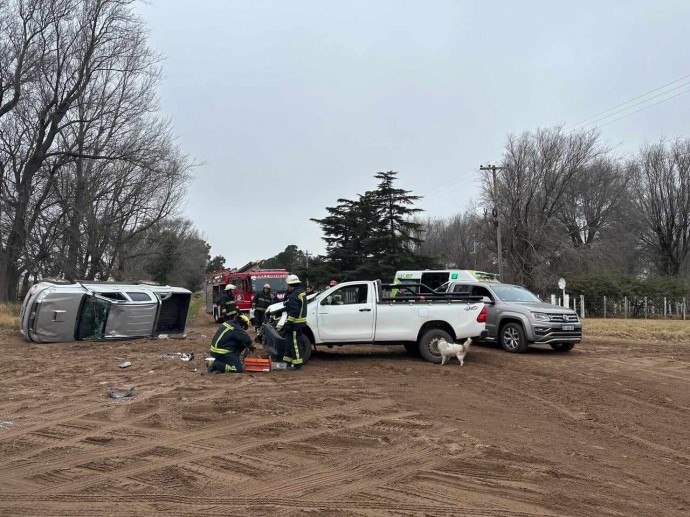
(412, 349)
(562, 347)
(512, 338)
(428, 344)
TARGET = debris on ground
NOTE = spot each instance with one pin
(117, 395)
(182, 356)
(126, 364)
(4, 424)
(178, 336)
(163, 336)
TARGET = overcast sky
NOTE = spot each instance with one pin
(293, 104)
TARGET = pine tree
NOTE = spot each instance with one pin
(375, 235)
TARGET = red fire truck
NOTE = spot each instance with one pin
(247, 282)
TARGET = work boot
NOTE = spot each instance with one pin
(209, 366)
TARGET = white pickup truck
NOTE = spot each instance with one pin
(369, 312)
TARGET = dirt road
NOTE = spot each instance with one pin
(603, 430)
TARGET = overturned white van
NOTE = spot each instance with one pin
(57, 312)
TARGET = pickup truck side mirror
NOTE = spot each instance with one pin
(486, 299)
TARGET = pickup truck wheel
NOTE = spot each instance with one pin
(305, 348)
(562, 347)
(428, 344)
(513, 338)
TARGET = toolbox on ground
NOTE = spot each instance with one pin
(254, 364)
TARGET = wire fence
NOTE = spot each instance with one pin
(625, 307)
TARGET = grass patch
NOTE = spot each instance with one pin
(9, 315)
(197, 303)
(649, 330)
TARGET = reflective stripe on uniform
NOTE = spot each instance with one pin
(214, 346)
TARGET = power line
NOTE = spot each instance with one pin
(646, 107)
(631, 100)
(594, 122)
(443, 188)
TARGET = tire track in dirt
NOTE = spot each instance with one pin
(90, 435)
(263, 502)
(194, 453)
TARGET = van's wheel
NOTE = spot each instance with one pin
(428, 344)
(513, 338)
(412, 349)
(562, 347)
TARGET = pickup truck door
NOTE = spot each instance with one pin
(347, 314)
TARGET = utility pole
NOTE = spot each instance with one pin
(306, 263)
(494, 213)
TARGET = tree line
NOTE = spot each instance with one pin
(90, 174)
(569, 207)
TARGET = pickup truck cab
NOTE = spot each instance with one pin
(517, 318)
(369, 312)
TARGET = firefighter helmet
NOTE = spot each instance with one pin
(267, 286)
(292, 280)
(230, 287)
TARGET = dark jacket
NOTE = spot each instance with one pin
(262, 300)
(230, 339)
(228, 306)
(296, 307)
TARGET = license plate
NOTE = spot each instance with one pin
(568, 327)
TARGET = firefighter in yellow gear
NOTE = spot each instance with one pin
(296, 308)
(227, 345)
(260, 303)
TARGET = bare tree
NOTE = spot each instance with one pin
(540, 168)
(662, 174)
(597, 198)
(86, 163)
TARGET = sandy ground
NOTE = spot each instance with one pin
(603, 430)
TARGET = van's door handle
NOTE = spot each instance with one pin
(364, 310)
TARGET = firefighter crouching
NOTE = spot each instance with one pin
(227, 345)
(296, 307)
(260, 304)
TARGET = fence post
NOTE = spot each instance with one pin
(645, 307)
(582, 306)
(665, 313)
(683, 307)
(604, 307)
(625, 307)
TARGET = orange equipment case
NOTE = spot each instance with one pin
(253, 364)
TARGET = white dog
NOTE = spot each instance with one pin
(449, 350)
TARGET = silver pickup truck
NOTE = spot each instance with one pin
(517, 318)
(55, 312)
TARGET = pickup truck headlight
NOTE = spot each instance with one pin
(540, 316)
